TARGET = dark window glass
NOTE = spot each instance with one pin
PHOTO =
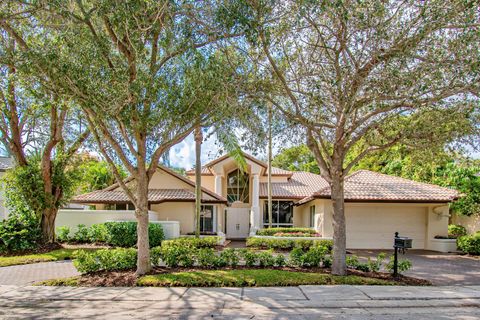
(206, 219)
(238, 186)
(282, 213)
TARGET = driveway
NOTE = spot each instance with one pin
(439, 268)
(31, 273)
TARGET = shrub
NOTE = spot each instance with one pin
(124, 233)
(63, 234)
(280, 260)
(455, 230)
(98, 233)
(229, 257)
(19, 232)
(470, 244)
(191, 242)
(327, 262)
(175, 256)
(105, 259)
(273, 231)
(207, 258)
(155, 255)
(352, 262)
(365, 267)
(375, 265)
(82, 234)
(266, 259)
(313, 257)
(403, 265)
(296, 257)
(250, 257)
(269, 243)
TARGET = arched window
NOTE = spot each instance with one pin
(237, 186)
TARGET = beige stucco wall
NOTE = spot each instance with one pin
(162, 180)
(471, 223)
(183, 212)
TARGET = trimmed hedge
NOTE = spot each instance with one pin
(470, 244)
(115, 233)
(269, 243)
(105, 260)
(191, 242)
(272, 231)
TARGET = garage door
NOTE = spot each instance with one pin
(373, 227)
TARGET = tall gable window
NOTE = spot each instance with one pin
(237, 186)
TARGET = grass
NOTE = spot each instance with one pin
(55, 255)
(62, 282)
(252, 278)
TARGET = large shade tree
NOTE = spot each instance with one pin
(380, 72)
(42, 131)
(143, 73)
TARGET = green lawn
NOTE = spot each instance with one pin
(251, 278)
(55, 255)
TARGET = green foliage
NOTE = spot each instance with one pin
(207, 258)
(266, 259)
(352, 261)
(155, 255)
(229, 257)
(24, 185)
(470, 243)
(105, 259)
(273, 231)
(82, 234)
(375, 265)
(98, 233)
(403, 265)
(63, 234)
(192, 242)
(97, 175)
(174, 256)
(297, 158)
(249, 256)
(315, 256)
(19, 232)
(284, 244)
(455, 230)
(115, 233)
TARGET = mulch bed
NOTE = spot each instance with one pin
(129, 278)
(42, 249)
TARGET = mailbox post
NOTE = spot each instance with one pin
(401, 243)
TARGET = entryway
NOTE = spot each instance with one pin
(237, 221)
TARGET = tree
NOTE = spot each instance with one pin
(40, 129)
(378, 71)
(142, 72)
(96, 174)
(296, 158)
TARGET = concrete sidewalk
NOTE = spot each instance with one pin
(303, 302)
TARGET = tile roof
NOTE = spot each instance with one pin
(207, 172)
(365, 185)
(112, 194)
(154, 196)
(299, 186)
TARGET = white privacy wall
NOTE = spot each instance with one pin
(72, 218)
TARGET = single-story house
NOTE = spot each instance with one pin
(235, 203)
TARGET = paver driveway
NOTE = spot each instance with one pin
(31, 273)
(439, 268)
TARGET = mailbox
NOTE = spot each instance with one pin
(403, 243)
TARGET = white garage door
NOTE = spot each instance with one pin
(373, 227)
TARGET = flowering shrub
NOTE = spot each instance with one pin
(296, 234)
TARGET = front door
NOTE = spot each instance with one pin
(237, 222)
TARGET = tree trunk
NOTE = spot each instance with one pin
(198, 179)
(339, 230)
(269, 183)
(48, 225)
(141, 213)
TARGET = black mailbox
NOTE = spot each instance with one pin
(403, 243)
